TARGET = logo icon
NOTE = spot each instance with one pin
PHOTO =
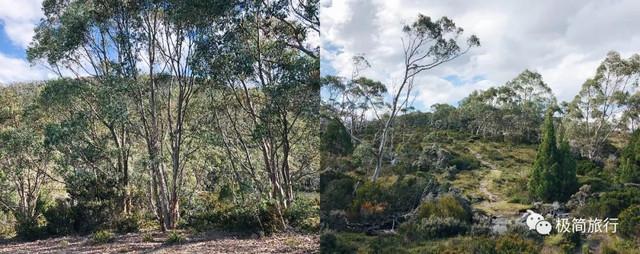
(535, 221)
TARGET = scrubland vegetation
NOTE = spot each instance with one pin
(173, 116)
(459, 179)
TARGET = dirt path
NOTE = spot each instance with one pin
(501, 219)
(484, 183)
(203, 243)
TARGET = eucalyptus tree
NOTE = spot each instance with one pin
(599, 108)
(147, 47)
(92, 42)
(273, 82)
(25, 163)
(353, 100)
(426, 45)
(514, 110)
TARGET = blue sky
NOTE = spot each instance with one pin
(17, 21)
(564, 41)
(8, 47)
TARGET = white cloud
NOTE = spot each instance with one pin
(564, 41)
(18, 18)
(19, 70)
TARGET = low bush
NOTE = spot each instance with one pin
(630, 222)
(465, 162)
(147, 237)
(337, 195)
(304, 214)
(515, 244)
(587, 167)
(251, 217)
(329, 243)
(433, 228)
(60, 218)
(445, 206)
(128, 224)
(102, 236)
(175, 238)
(610, 204)
(30, 228)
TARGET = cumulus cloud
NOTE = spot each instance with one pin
(19, 70)
(19, 18)
(17, 21)
(564, 41)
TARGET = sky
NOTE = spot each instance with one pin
(564, 41)
(17, 21)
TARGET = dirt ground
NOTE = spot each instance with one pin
(200, 243)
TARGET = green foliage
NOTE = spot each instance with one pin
(336, 139)
(303, 214)
(630, 222)
(30, 228)
(515, 244)
(433, 227)
(553, 176)
(329, 243)
(175, 238)
(147, 237)
(60, 218)
(249, 217)
(363, 155)
(128, 224)
(102, 237)
(629, 171)
(465, 162)
(95, 201)
(336, 191)
(566, 178)
(446, 206)
(587, 167)
(543, 182)
(374, 202)
(610, 204)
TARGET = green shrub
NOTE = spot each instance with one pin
(147, 237)
(515, 244)
(128, 224)
(445, 206)
(363, 155)
(175, 238)
(629, 170)
(60, 218)
(335, 138)
(587, 167)
(597, 183)
(630, 222)
(95, 199)
(30, 228)
(304, 214)
(338, 194)
(251, 217)
(495, 155)
(465, 162)
(570, 242)
(329, 243)
(102, 236)
(433, 228)
(387, 244)
(610, 204)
